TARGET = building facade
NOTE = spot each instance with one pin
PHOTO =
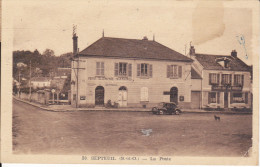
(225, 81)
(40, 82)
(130, 73)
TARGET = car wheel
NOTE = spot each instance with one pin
(161, 112)
(177, 112)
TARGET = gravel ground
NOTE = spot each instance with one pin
(36, 131)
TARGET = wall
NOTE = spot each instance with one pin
(156, 85)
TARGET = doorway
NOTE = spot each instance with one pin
(122, 96)
(174, 95)
(99, 95)
(226, 100)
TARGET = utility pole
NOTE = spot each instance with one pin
(30, 95)
(19, 81)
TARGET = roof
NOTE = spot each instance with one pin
(40, 79)
(194, 74)
(209, 62)
(132, 48)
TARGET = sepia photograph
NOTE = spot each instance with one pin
(130, 82)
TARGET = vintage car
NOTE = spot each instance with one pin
(166, 108)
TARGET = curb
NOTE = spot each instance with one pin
(122, 110)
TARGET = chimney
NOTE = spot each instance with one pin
(75, 41)
(192, 51)
(234, 53)
(145, 38)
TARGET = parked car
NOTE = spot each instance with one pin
(166, 108)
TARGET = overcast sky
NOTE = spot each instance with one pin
(212, 27)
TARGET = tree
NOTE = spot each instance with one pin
(48, 53)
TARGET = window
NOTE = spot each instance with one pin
(123, 69)
(238, 80)
(144, 94)
(239, 97)
(174, 71)
(100, 68)
(144, 70)
(213, 79)
(226, 79)
(212, 97)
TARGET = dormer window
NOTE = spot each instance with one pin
(224, 62)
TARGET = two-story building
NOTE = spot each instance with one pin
(130, 72)
(225, 81)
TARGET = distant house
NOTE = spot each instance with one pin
(40, 82)
(220, 81)
(63, 73)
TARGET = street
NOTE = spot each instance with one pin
(37, 131)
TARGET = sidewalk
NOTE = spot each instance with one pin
(69, 108)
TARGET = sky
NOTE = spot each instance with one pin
(211, 27)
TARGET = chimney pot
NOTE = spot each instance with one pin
(234, 53)
(145, 38)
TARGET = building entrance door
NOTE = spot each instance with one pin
(99, 95)
(122, 96)
(226, 100)
(174, 95)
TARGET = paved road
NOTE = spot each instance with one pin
(119, 133)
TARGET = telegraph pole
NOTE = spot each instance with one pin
(19, 82)
(30, 95)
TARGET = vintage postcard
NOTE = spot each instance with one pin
(130, 82)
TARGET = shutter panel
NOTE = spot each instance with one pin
(138, 70)
(180, 71)
(150, 70)
(168, 71)
(129, 70)
(231, 97)
(116, 69)
(102, 68)
(230, 76)
(97, 68)
(242, 80)
(210, 79)
(208, 97)
(218, 78)
(218, 97)
(246, 97)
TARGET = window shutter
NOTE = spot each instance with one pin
(116, 69)
(218, 78)
(150, 70)
(129, 70)
(138, 70)
(208, 97)
(102, 68)
(230, 75)
(218, 97)
(231, 97)
(242, 80)
(246, 97)
(98, 68)
(168, 71)
(210, 79)
(180, 71)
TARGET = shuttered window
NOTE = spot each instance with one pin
(226, 79)
(100, 68)
(239, 97)
(144, 94)
(144, 70)
(238, 80)
(174, 71)
(213, 79)
(123, 69)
